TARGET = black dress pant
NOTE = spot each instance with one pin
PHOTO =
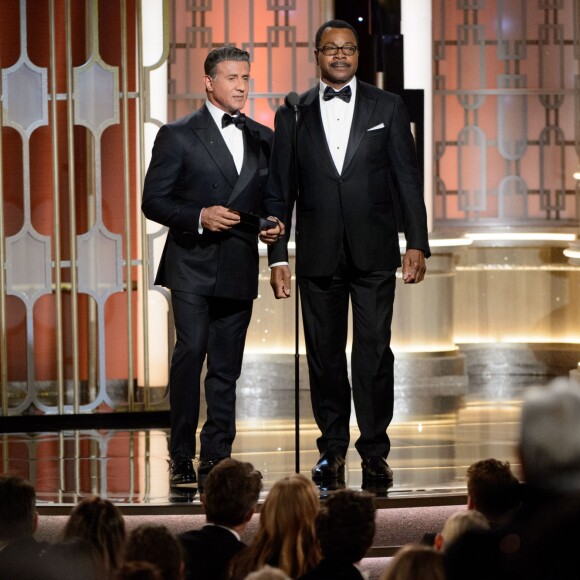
(325, 305)
(216, 327)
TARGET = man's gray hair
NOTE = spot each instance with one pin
(222, 54)
(550, 436)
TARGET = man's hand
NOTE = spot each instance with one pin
(273, 234)
(413, 266)
(218, 218)
(280, 278)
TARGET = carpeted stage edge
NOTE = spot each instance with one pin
(395, 527)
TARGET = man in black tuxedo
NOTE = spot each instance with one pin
(345, 528)
(230, 496)
(205, 169)
(350, 143)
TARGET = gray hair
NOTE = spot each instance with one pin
(268, 573)
(222, 54)
(549, 436)
(460, 522)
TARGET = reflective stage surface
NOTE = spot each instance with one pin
(433, 442)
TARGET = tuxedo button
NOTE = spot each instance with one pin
(215, 185)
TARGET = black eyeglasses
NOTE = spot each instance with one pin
(331, 50)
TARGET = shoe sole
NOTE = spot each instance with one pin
(183, 484)
(379, 483)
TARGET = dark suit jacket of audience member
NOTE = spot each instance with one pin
(540, 542)
(208, 552)
(20, 560)
(330, 570)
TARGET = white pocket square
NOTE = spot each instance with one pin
(381, 126)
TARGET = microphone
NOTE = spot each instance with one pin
(291, 100)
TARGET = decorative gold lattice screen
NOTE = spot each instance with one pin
(82, 97)
(506, 112)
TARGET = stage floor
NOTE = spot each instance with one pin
(433, 443)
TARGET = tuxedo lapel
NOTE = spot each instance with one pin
(205, 128)
(250, 164)
(363, 109)
(310, 111)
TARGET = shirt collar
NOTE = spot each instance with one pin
(225, 527)
(217, 113)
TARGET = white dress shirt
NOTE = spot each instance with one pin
(234, 139)
(337, 121)
(233, 136)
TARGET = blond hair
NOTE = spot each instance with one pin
(286, 537)
(415, 561)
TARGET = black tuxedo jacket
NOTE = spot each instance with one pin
(208, 552)
(192, 168)
(330, 570)
(358, 202)
(20, 560)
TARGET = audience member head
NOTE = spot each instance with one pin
(268, 573)
(550, 436)
(415, 561)
(156, 544)
(231, 492)
(18, 517)
(72, 559)
(101, 523)
(140, 570)
(492, 489)
(286, 535)
(345, 526)
(457, 524)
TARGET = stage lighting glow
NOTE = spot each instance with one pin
(575, 254)
(522, 237)
(520, 340)
(441, 242)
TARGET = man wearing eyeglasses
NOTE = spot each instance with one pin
(352, 138)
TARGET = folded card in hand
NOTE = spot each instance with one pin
(252, 223)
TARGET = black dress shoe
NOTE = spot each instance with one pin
(376, 474)
(330, 467)
(326, 487)
(205, 466)
(181, 473)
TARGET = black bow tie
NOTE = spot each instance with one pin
(345, 93)
(239, 120)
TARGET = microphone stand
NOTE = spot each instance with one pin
(291, 101)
